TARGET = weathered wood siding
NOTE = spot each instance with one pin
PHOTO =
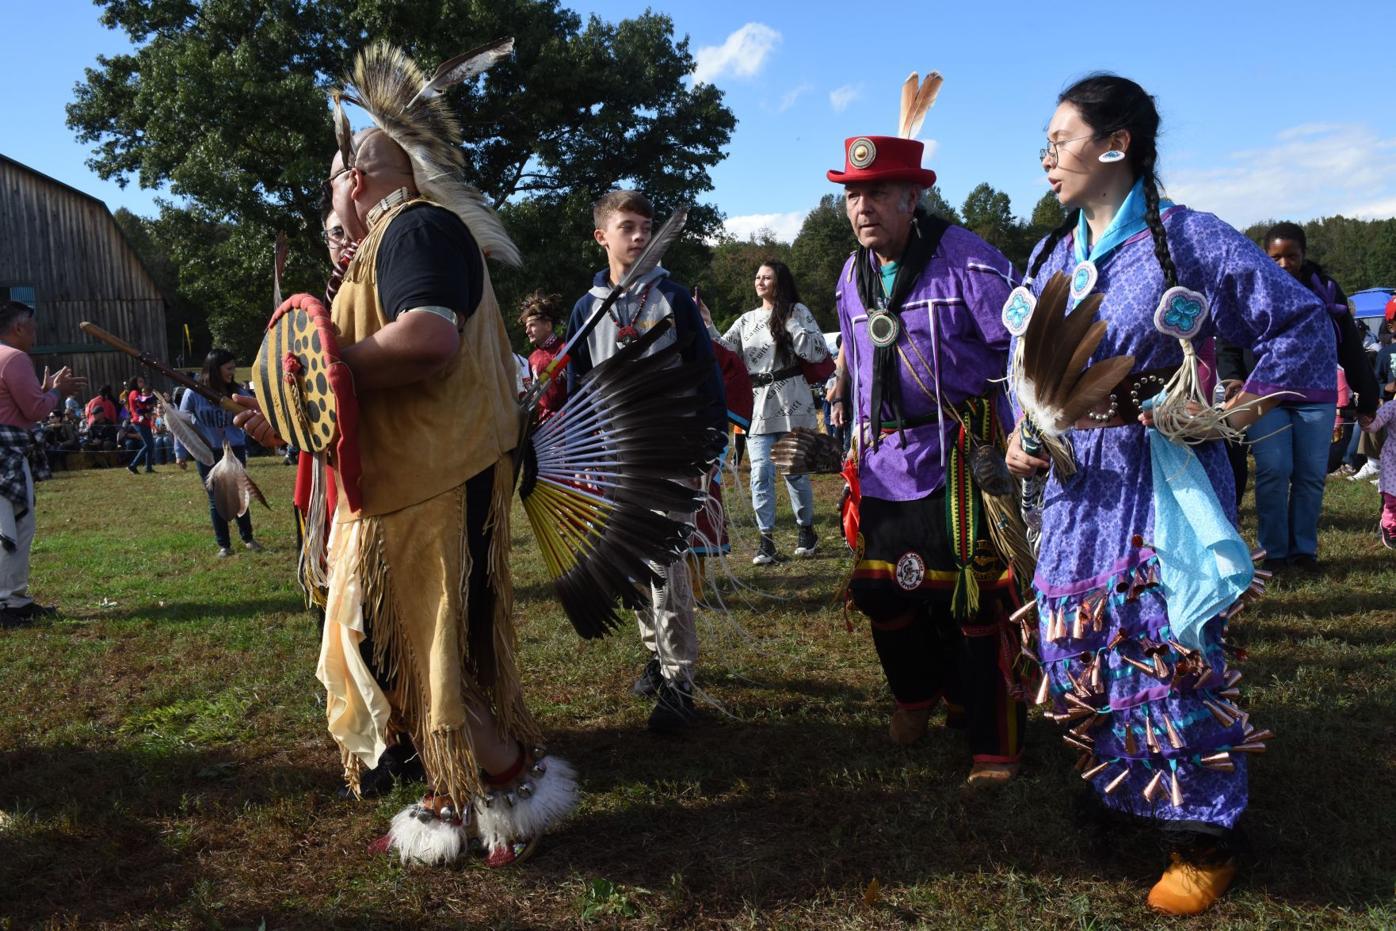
(67, 246)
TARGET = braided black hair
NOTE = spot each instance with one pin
(1053, 238)
(1109, 103)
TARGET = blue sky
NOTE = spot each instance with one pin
(1270, 110)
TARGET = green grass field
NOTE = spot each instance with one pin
(163, 759)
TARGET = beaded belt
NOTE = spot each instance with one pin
(1121, 406)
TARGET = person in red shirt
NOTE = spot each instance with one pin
(103, 401)
(540, 314)
(140, 405)
(25, 400)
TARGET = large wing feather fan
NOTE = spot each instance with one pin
(602, 476)
(803, 450)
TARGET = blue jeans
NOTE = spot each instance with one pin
(1291, 460)
(146, 454)
(220, 526)
(763, 479)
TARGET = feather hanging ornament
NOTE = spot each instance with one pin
(601, 476)
(232, 488)
(181, 425)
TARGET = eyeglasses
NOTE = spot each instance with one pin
(1050, 152)
(334, 234)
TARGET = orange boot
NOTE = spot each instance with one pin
(1188, 887)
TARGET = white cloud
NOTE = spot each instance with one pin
(783, 226)
(791, 96)
(741, 55)
(1312, 170)
(841, 97)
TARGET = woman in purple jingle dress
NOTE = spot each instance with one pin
(1155, 717)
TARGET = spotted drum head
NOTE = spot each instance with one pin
(291, 374)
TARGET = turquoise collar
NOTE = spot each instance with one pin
(1128, 222)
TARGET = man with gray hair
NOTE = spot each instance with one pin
(25, 399)
(919, 305)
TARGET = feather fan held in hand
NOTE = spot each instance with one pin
(600, 473)
(1053, 383)
(803, 450)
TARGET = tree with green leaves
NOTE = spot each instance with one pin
(818, 254)
(222, 103)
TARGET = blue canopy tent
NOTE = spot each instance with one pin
(1371, 302)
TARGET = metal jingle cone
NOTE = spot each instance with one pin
(1230, 694)
(1161, 670)
(1259, 736)
(1249, 747)
(1232, 676)
(1053, 716)
(1077, 712)
(1044, 690)
(1175, 790)
(1145, 668)
(1082, 762)
(1077, 702)
(1258, 555)
(1264, 574)
(1131, 743)
(1175, 740)
(1095, 770)
(1203, 678)
(1150, 739)
(1024, 613)
(1080, 743)
(1151, 790)
(1221, 762)
(1080, 729)
(1097, 676)
(1116, 640)
(1115, 783)
(1224, 719)
(1078, 626)
(1234, 611)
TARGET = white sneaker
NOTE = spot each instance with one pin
(1369, 469)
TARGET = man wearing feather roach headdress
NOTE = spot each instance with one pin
(418, 577)
(918, 307)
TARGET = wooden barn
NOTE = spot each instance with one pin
(62, 253)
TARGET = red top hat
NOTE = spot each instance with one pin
(883, 158)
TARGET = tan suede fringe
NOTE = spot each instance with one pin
(446, 752)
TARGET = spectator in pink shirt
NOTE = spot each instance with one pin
(24, 401)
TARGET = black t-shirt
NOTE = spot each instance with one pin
(429, 259)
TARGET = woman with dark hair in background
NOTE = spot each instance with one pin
(140, 406)
(773, 340)
(216, 427)
(1291, 442)
(1138, 667)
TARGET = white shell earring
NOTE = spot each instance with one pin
(1110, 155)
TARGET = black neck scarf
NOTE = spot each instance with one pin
(926, 231)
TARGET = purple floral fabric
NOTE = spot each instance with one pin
(1096, 525)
